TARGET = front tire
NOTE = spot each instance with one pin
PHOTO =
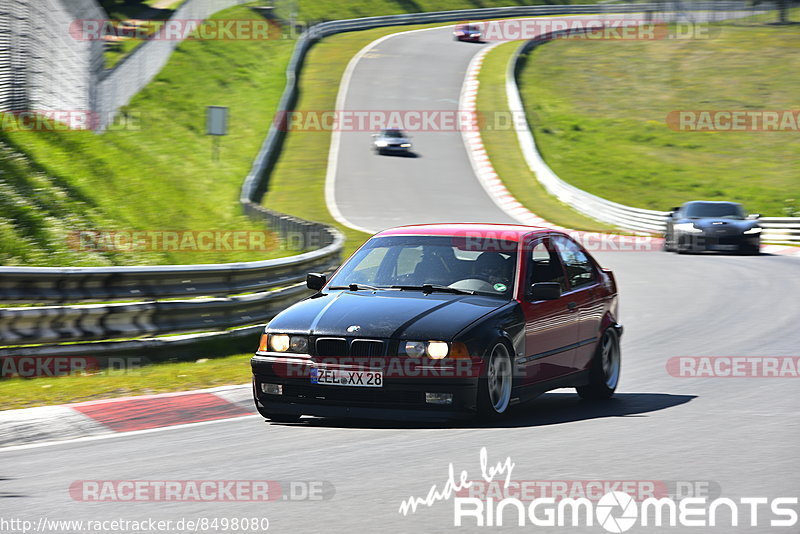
(605, 368)
(667, 246)
(494, 388)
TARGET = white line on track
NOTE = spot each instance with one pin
(123, 434)
(333, 154)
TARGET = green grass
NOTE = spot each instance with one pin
(129, 9)
(504, 152)
(311, 11)
(160, 176)
(156, 378)
(598, 111)
(119, 10)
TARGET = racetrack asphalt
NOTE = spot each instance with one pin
(738, 434)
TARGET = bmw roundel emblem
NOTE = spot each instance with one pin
(353, 328)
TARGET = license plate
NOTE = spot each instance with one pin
(725, 247)
(341, 377)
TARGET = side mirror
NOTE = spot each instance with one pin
(315, 281)
(754, 216)
(545, 291)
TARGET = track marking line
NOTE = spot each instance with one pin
(333, 153)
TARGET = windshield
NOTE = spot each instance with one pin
(395, 134)
(715, 210)
(479, 265)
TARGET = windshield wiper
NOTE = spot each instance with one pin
(430, 288)
(356, 287)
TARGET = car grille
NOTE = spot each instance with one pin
(366, 348)
(331, 347)
(730, 240)
(336, 347)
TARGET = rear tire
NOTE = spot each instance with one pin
(605, 368)
(494, 387)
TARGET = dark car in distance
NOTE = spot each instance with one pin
(436, 321)
(703, 225)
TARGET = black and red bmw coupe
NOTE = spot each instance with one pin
(441, 320)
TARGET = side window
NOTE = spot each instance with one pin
(544, 264)
(580, 271)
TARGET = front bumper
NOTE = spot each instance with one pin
(722, 242)
(399, 397)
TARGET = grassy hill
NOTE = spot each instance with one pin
(154, 172)
(598, 110)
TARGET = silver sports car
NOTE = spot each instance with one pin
(391, 140)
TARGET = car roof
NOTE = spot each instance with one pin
(508, 232)
(711, 202)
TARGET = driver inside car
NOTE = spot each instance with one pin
(494, 268)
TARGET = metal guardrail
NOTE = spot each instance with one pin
(58, 324)
(87, 284)
(777, 230)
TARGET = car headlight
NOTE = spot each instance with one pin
(279, 342)
(437, 350)
(753, 230)
(381, 143)
(406, 145)
(687, 227)
(287, 343)
(298, 344)
(415, 349)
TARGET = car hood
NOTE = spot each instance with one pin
(728, 224)
(385, 314)
(393, 139)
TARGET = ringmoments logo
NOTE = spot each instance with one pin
(615, 511)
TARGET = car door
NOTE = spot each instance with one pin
(551, 327)
(584, 295)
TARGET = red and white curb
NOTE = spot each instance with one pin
(502, 197)
(477, 152)
(68, 422)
